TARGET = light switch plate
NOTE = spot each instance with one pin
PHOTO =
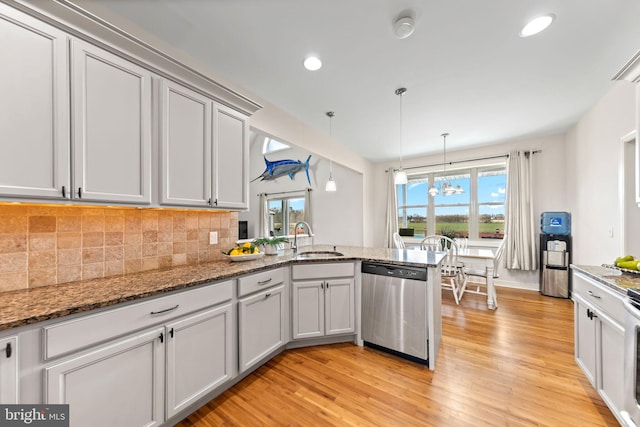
(213, 237)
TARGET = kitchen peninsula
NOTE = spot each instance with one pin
(59, 331)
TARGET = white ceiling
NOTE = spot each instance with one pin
(466, 70)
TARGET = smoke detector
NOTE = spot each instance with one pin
(403, 27)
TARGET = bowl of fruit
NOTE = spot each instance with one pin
(245, 252)
(627, 264)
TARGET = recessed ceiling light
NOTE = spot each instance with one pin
(312, 63)
(537, 25)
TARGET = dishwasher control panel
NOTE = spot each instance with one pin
(398, 271)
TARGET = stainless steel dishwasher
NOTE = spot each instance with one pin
(394, 310)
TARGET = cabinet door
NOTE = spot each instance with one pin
(261, 325)
(111, 107)
(308, 309)
(186, 146)
(230, 158)
(118, 385)
(585, 339)
(199, 356)
(34, 112)
(9, 370)
(611, 362)
(339, 306)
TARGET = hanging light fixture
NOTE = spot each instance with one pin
(446, 188)
(331, 184)
(400, 175)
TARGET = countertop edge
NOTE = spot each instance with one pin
(613, 279)
(26, 307)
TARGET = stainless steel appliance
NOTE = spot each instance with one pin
(631, 398)
(555, 257)
(394, 310)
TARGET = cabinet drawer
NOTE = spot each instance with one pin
(322, 271)
(260, 281)
(68, 336)
(600, 296)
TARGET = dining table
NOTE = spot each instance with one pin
(486, 257)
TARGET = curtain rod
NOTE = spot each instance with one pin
(465, 161)
(285, 192)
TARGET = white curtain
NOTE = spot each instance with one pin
(520, 228)
(392, 210)
(264, 216)
(307, 207)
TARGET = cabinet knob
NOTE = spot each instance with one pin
(8, 350)
(79, 192)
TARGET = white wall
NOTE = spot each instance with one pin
(593, 161)
(336, 216)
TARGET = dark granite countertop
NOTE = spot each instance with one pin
(613, 278)
(24, 307)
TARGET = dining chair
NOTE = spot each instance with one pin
(462, 242)
(482, 273)
(451, 270)
(398, 243)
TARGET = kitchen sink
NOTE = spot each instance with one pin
(319, 254)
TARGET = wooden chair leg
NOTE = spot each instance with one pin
(454, 288)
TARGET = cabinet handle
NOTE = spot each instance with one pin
(322, 285)
(591, 314)
(166, 310)
(215, 202)
(264, 282)
(171, 332)
(161, 337)
(64, 192)
(327, 284)
(267, 295)
(79, 192)
(8, 350)
(209, 201)
(591, 294)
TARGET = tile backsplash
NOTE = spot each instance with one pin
(42, 245)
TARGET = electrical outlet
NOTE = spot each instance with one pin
(213, 238)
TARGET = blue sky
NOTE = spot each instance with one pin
(491, 188)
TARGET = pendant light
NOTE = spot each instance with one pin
(331, 184)
(447, 188)
(400, 175)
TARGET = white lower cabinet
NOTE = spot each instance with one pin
(261, 325)
(9, 370)
(146, 377)
(326, 306)
(199, 356)
(263, 309)
(127, 377)
(599, 338)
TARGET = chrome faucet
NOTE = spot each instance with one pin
(294, 246)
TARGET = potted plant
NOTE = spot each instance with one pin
(271, 245)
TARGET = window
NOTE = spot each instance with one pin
(272, 145)
(284, 213)
(477, 213)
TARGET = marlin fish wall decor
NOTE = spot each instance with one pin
(284, 167)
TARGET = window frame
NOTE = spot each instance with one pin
(430, 206)
(284, 202)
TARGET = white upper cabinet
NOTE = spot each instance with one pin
(34, 112)
(185, 157)
(111, 102)
(230, 158)
(204, 151)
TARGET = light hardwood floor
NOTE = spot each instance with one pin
(510, 367)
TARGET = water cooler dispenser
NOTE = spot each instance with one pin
(555, 254)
